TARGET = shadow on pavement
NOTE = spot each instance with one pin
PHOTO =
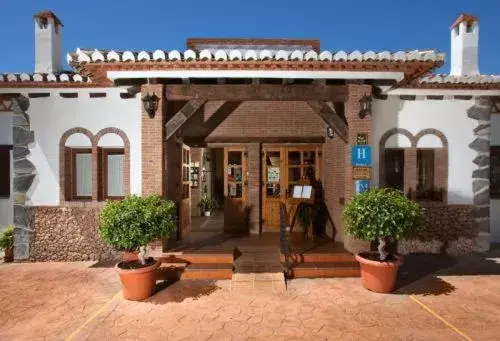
(421, 274)
(179, 291)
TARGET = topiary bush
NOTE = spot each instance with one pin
(132, 223)
(383, 215)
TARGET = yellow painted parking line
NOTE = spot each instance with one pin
(92, 317)
(440, 318)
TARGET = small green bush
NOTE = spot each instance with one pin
(382, 214)
(128, 224)
(7, 238)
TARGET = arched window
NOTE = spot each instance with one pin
(94, 167)
(113, 149)
(76, 170)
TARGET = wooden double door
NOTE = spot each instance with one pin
(283, 167)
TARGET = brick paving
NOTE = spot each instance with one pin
(50, 301)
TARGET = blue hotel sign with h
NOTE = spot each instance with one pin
(361, 156)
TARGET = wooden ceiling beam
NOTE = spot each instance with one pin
(256, 92)
(184, 114)
(331, 117)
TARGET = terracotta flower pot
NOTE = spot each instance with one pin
(129, 256)
(9, 255)
(379, 276)
(138, 284)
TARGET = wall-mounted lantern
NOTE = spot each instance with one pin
(330, 132)
(150, 103)
(366, 106)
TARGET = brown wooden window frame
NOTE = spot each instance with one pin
(429, 193)
(74, 151)
(494, 190)
(103, 166)
(186, 159)
(5, 176)
(402, 167)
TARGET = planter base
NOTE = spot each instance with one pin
(379, 276)
(138, 284)
(9, 255)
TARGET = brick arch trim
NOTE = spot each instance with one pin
(395, 131)
(76, 130)
(64, 161)
(410, 170)
(119, 132)
(432, 131)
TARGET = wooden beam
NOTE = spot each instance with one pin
(328, 113)
(255, 92)
(251, 139)
(182, 116)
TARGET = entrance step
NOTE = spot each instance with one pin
(190, 265)
(197, 258)
(320, 257)
(269, 282)
(258, 262)
(326, 269)
(208, 271)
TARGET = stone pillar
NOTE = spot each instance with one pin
(481, 111)
(152, 138)
(356, 125)
(253, 187)
(24, 174)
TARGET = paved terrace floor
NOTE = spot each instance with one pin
(78, 301)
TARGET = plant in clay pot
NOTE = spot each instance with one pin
(382, 215)
(7, 243)
(129, 225)
(206, 205)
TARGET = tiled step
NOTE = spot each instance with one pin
(208, 271)
(168, 271)
(323, 269)
(321, 257)
(197, 258)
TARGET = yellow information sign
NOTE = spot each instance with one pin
(361, 173)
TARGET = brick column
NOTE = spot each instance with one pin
(253, 187)
(334, 184)
(152, 137)
(356, 125)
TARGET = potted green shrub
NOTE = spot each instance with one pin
(380, 215)
(7, 243)
(206, 205)
(129, 225)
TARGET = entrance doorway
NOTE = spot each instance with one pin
(283, 167)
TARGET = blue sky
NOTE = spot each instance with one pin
(340, 25)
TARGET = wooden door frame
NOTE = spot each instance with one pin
(284, 148)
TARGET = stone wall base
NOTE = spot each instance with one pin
(68, 234)
(445, 228)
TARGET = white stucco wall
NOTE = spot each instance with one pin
(495, 204)
(449, 116)
(6, 211)
(52, 116)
